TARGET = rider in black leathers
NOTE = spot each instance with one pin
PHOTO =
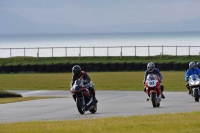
(78, 74)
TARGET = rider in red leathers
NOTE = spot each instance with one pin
(152, 70)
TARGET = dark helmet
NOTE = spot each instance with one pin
(150, 66)
(192, 65)
(198, 65)
(76, 70)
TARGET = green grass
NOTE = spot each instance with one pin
(160, 123)
(101, 59)
(173, 81)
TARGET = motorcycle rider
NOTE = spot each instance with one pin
(198, 65)
(192, 70)
(78, 74)
(152, 70)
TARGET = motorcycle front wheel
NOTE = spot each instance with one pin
(80, 105)
(153, 99)
(196, 95)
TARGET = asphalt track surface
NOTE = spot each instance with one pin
(111, 103)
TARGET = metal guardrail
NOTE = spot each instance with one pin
(99, 51)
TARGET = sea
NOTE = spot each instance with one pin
(100, 44)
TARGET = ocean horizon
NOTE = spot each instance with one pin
(100, 44)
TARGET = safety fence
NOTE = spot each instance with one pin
(66, 67)
(99, 51)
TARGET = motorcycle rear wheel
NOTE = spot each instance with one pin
(196, 95)
(80, 106)
(153, 99)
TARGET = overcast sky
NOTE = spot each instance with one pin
(90, 16)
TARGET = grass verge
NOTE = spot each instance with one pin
(160, 123)
(132, 81)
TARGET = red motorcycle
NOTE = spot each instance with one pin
(83, 97)
(153, 89)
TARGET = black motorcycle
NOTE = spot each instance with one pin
(83, 97)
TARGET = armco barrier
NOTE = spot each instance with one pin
(56, 67)
(97, 67)
(129, 66)
(67, 67)
(48, 68)
(176, 66)
(89, 67)
(8, 69)
(138, 66)
(40, 67)
(161, 66)
(106, 67)
(32, 67)
(24, 68)
(1, 69)
(113, 66)
(16, 68)
(169, 66)
(184, 66)
(122, 66)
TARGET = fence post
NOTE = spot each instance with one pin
(66, 51)
(38, 54)
(189, 50)
(162, 49)
(24, 52)
(107, 50)
(93, 52)
(135, 50)
(52, 51)
(121, 53)
(176, 50)
(10, 52)
(79, 52)
(148, 51)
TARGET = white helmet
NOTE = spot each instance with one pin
(150, 66)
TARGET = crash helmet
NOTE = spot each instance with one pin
(198, 65)
(76, 70)
(192, 65)
(150, 66)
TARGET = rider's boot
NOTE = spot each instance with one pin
(189, 92)
(162, 96)
(94, 98)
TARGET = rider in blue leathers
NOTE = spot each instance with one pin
(192, 70)
(151, 69)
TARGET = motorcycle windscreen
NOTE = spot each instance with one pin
(152, 80)
(194, 77)
(77, 85)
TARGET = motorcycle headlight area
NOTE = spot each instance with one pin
(195, 83)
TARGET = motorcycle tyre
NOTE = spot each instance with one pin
(153, 99)
(94, 109)
(158, 104)
(80, 107)
(196, 95)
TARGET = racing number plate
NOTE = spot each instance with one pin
(152, 83)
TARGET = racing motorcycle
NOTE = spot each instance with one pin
(194, 84)
(152, 85)
(83, 97)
